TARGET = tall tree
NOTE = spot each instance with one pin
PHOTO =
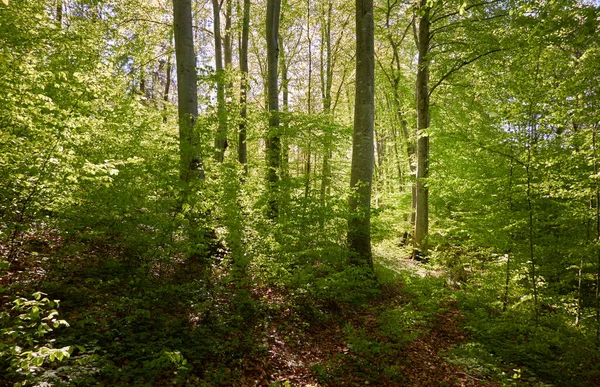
(167, 89)
(221, 136)
(394, 30)
(359, 224)
(59, 13)
(242, 148)
(273, 140)
(422, 90)
(459, 42)
(326, 84)
(190, 166)
(227, 41)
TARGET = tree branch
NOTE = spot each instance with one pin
(460, 66)
(458, 23)
(465, 9)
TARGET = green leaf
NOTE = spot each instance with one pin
(38, 361)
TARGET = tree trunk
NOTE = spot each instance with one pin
(326, 83)
(143, 91)
(242, 148)
(286, 105)
(59, 13)
(227, 41)
(529, 192)
(359, 224)
(190, 166)
(508, 268)
(422, 88)
(308, 166)
(221, 137)
(410, 151)
(167, 88)
(597, 194)
(273, 150)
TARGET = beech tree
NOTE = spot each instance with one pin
(359, 231)
(242, 147)
(221, 136)
(422, 93)
(190, 166)
(273, 140)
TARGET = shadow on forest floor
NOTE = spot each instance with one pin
(135, 325)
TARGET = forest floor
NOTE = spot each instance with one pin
(297, 353)
(353, 348)
(400, 337)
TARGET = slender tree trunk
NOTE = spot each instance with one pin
(286, 105)
(221, 136)
(190, 167)
(529, 192)
(409, 143)
(422, 88)
(399, 169)
(510, 207)
(359, 224)
(308, 166)
(596, 170)
(379, 167)
(242, 148)
(273, 142)
(579, 277)
(598, 262)
(227, 41)
(410, 152)
(326, 84)
(143, 82)
(167, 88)
(309, 96)
(410, 146)
(59, 12)
(506, 284)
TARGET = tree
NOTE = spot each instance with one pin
(242, 148)
(394, 57)
(422, 92)
(359, 232)
(273, 140)
(221, 136)
(190, 167)
(459, 40)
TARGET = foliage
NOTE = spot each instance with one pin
(512, 343)
(25, 350)
(169, 283)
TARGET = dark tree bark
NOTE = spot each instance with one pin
(59, 12)
(190, 167)
(242, 148)
(221, 137)
(422, 88)
(167, 87)
(326, 83)
(308, 166)
(285, 81)
(143, 90)
(359, 224)
(227, 42)
(273, 141)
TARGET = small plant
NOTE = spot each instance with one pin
(23, 348)
(353, 285)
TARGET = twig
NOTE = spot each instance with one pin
(470, 376)
(460, 66)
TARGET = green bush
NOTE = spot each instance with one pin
(25, 350)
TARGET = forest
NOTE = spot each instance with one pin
(299, 193)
